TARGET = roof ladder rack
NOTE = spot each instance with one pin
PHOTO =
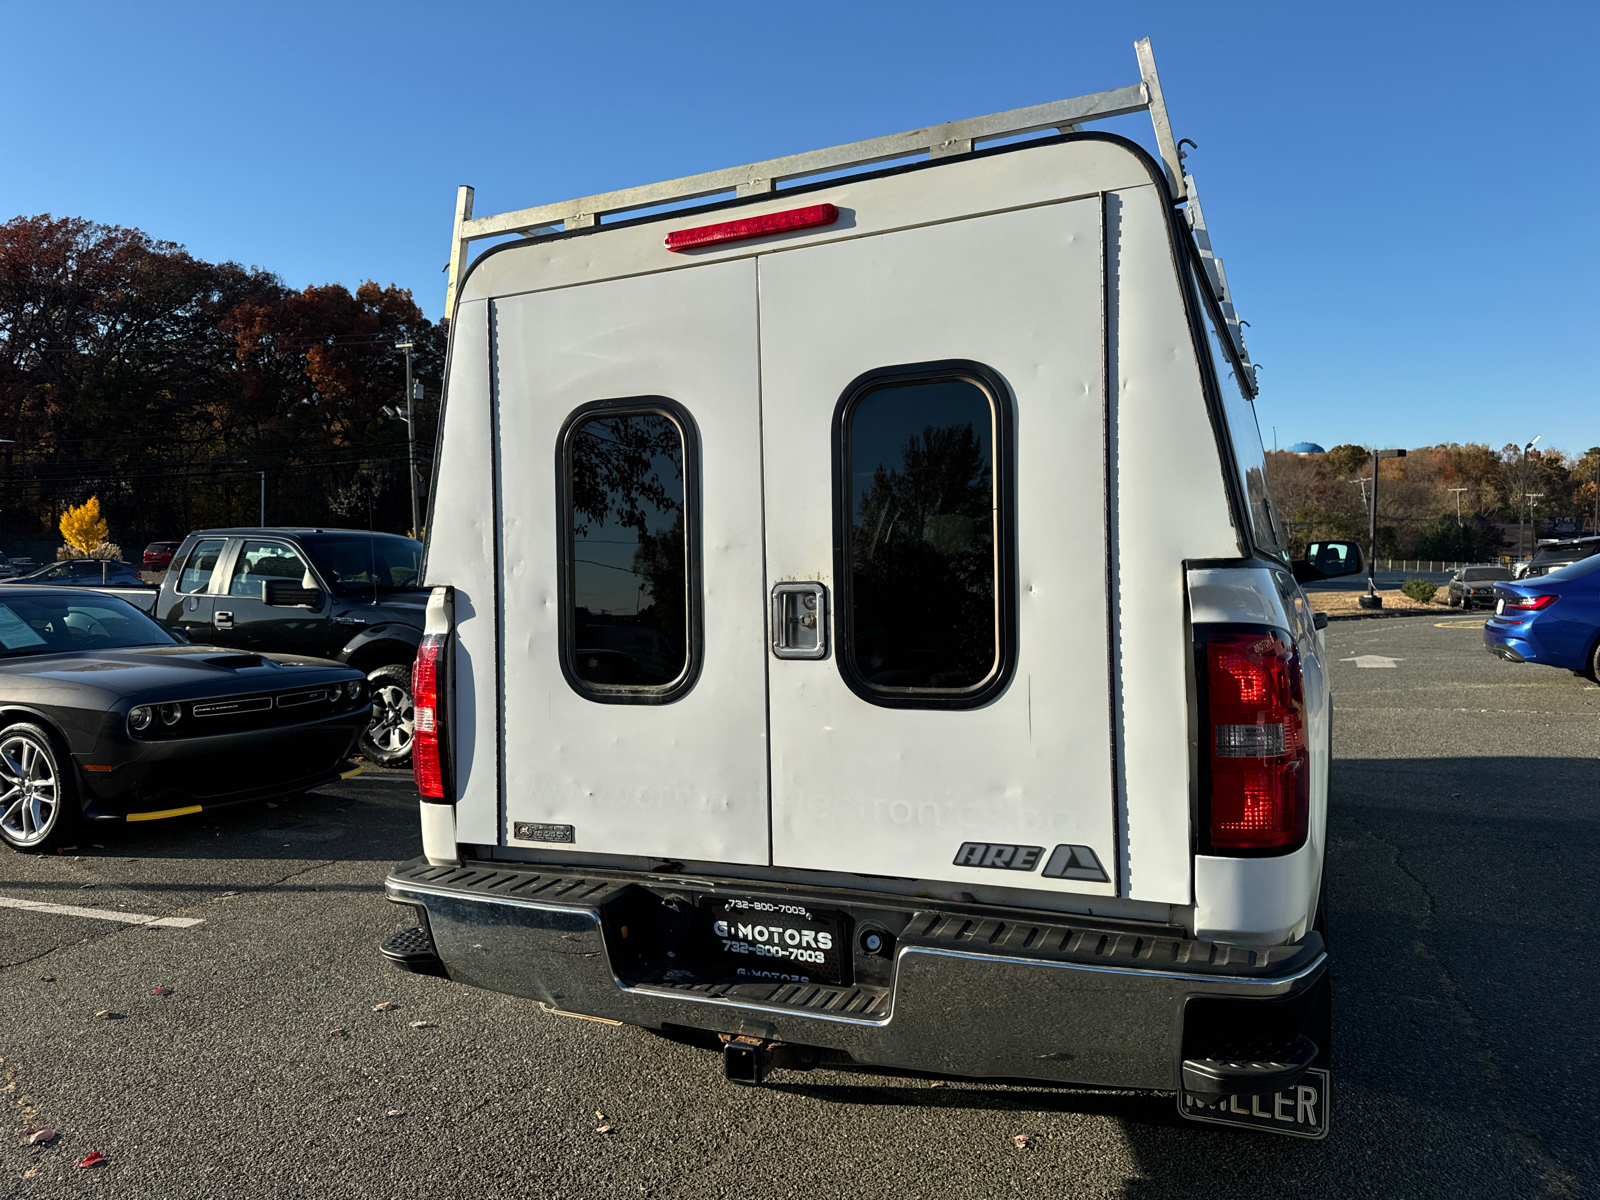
(936, 141)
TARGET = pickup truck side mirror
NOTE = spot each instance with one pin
(1328, 560)
(285, 593)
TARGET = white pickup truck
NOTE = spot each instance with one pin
(861, 632)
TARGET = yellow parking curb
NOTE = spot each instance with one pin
(166, 812)
(351, 773)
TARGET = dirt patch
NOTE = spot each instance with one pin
(1338, 603)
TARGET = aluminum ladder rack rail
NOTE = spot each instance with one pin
(937, 141)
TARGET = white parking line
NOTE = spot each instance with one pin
(101, 914)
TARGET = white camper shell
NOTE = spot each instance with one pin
(861, 631)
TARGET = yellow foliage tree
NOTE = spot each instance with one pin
(84, 527)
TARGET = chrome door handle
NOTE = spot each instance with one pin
(222, 620)
(799, 620)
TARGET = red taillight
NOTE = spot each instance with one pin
(425, 762)
(1258, 779)
(1530, 603)
(749, 227)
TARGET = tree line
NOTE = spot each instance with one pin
(163, 384)
(1449, 502)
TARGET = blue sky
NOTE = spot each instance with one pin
(1402, 192)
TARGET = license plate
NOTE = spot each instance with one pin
(1299, 1111)
(771, 939)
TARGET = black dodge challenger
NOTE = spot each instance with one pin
(105, 716)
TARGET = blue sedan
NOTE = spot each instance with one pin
(1553, 620)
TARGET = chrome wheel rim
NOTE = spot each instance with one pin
(393, 720)
(29, 792)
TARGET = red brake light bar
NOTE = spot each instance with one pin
(749, 227)
(1531, 603)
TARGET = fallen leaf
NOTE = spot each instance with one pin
(30, 1172)
(161, 991)
(83, 887)
(337, 1033)
(105, 1014)
(423, 1025)
(386, 1006)
(96, 845)
(47, 979)
(36, 1137)
(225, 895)
(272, 804)
(598, 1115)
(938, 1083)
(1021, 1140)
(604, 1129)
(92, 1159)
(395, 1112)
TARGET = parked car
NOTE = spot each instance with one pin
(911, 724)
(108, 717)
(343, 594)
(158, 555)
(83, 572)
(1470, 587)
(8, 569)
(1553, 620)
(1552, 556)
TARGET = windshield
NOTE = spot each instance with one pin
(54, 624)
(1479, 574)
(381, 562)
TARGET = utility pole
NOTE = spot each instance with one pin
(263, 521)
(1372, 599)
(1522, 486)
(1458, 492)
(411, 444)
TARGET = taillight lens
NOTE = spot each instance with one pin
(1257, 788)
(426, 766)
(1530, 603)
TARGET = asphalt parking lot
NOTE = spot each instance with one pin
(1463, 885)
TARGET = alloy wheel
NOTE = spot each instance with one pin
(29, 791)
(393, 719)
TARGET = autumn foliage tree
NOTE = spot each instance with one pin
(84, 528)
(163, 384)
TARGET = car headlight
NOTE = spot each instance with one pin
(170, 713)
(140, 716)
(352, 689)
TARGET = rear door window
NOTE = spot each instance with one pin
(198, 566)
(923, 589)
(258, 562)
(630, 593)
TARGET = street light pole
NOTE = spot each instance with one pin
(1522, 516)
(263, 511)
(411, 444)
(1372, 599)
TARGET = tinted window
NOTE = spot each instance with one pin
(261, 561)
(920, 493)
(197, 568)
(374, 562)
(49, 624)
(1480, 574)
(627, 572)
(1250, 455)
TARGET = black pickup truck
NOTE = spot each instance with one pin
(342, 594)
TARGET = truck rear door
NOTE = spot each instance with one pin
(944, 386)
(631, 627)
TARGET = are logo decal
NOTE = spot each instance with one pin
(998, 855)
(1065, 862)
